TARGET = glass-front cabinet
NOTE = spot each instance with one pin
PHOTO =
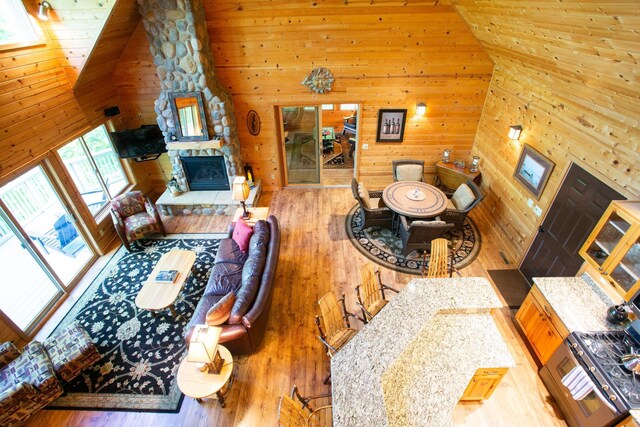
(614, 247)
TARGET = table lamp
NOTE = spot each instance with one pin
(203, 348)
(241, 193)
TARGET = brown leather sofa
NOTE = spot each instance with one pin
(250, 276)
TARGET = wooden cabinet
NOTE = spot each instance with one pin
(613, 247)
(483, 383)
(542, 327)
(451, 176)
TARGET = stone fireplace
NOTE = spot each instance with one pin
(179, 43)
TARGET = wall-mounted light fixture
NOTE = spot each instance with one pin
(43, 10)
(421, 109)
(514, 132)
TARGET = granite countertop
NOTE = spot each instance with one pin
(430, 321)
(580, 304)
(423, 386)
(635, 414)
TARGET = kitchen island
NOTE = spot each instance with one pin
(413, 362)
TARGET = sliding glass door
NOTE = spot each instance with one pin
(41, 247)
(301, 144)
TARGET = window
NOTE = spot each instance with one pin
(15, 25)
(95, 168)
(327, 107)
(347, 107)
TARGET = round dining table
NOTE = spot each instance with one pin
(415, 199)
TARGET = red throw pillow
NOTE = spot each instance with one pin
(242, 234)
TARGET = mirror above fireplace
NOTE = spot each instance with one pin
(188, 114)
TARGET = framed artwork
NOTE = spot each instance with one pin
(391, 125)
(533, 170)
(253, 123)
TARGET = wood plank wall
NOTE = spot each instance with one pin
(73, 30)
(568, 73)
(389, 55)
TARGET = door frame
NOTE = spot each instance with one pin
(283, 175)
(65, 290)
(543, 217)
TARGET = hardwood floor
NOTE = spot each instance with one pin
(316, 257)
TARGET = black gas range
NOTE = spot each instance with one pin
(614, 387)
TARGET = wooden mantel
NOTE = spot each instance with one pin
(194, 145)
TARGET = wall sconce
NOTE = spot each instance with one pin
(514, 132)
(43, 10)
(421, 108)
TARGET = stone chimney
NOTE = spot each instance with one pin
(179, 43)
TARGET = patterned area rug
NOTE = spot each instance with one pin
(381, 246)
(141, 352)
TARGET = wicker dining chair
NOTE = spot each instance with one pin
(418, 234)
(373, 211)
(370, 292)
(465, 198)
(296, 411)
(408, 170)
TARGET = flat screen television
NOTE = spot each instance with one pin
(144, 143)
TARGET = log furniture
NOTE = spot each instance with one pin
(200, 385)
(296, 411)
(370, 292)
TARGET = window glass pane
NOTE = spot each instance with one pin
(106, 160)
(327, 106)
(40, 213)
(345, 107)
(26, 289)
(83, 175)
(15, 26)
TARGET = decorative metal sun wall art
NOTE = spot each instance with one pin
(319, 80)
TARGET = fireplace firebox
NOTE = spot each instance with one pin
(206, 173)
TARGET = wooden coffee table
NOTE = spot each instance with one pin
(199, 385)
(156, 296)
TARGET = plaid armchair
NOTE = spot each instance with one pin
(135, 216)
(27, 383)
(30, 380)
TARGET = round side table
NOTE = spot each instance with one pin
(199, 385)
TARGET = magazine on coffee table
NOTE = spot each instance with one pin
(166, 276)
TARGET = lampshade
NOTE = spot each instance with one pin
(43, 11)
(421, 108)
(240, 189)
(204, 344)
(514, 132)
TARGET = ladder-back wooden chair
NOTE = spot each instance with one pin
(370, 292)
(296, 411)
(440, 262)
(333, 325)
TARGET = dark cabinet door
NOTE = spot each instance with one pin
(578, 206)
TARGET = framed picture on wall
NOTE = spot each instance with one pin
(533, 170)
(391, 125)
